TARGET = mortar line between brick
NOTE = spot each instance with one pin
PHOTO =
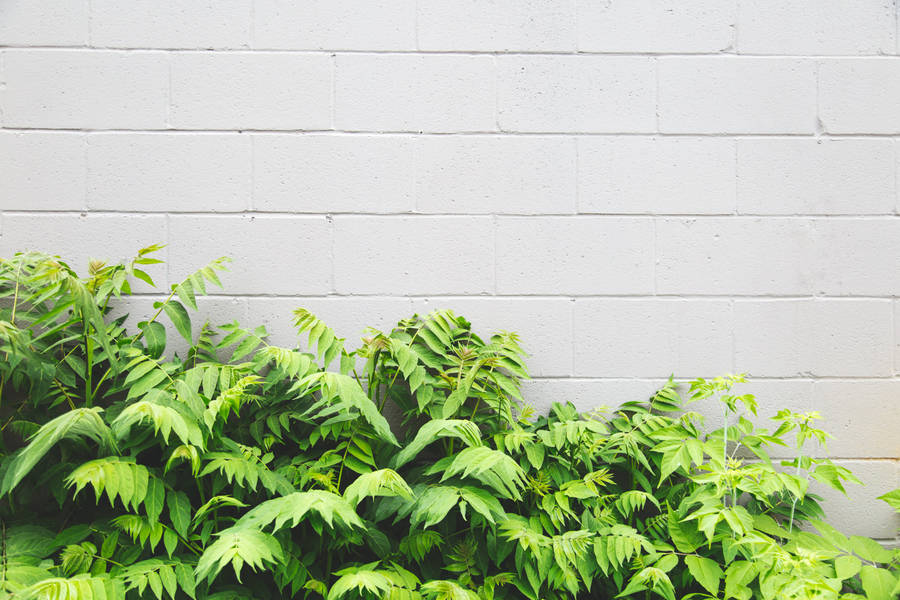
(576, 25)
(468, 297)
(819, 128)
(251, 200)
(251, 42)
(631, 297)
(894, 337)
(168, 248)
(416, 25)
(737, 178)
(895, 145)
(714, 54)
(656, 73)
(333, 233)
(414, 174)
(733, 337)
(496, 65)
(169, 98)
(654, 257)
(686, 378)
(734, 27)
(90, 22)
(495, 228)
(274, 214)
(577, 175)
(333, 91)
(479, 133)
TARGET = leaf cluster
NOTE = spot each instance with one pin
(245, 470)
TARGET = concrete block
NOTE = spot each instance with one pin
(349, 317)
(71, 89)
(495, 174)
(859, 512)
(272, 255)
(736, 95)
(824, 337)
(577, 256)
(655, 26)
(725, 256)
(42, 171)
(204, 24)
(857, 257)
(413, 255)
(408, 92)
(859, 95)
(168, 172)
(543, 324)
(587, 394)
(656, 175)
(29, 23)
(601, 94)
(786, 176)
(496, 26)
(260, 90)
(315, 173)
(815, 27)
(77, 239)
(334, 25)
(862, 415)
(652, 338)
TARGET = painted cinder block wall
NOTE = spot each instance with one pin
(639, 187)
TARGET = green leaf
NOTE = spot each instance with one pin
(684, 534)
(179, 316)
(738, 576)
(433, 506)
(466, 431)
(161, 412)
(892, 498)
(454, 401)
(341, 393)
(489, 466)
(153, 501)
(155, 336)
(77, 423)
(185, 578)
(846, 566)
(119, 477)
(294, 508)
(869, 549)
(238, 546)
(80, 587)
(384, 482)
(327, 344)
(170, 541)
(360, 580)
(535, 454)
(878, 584)
(179, 511)
(446, 590)
(706, 571)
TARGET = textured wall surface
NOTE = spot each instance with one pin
(639, 187)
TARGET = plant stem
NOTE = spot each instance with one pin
(344, 457)
(12, 319)
(89, 362)
(725, 444)
(794, 503)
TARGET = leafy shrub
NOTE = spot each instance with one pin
(245, 470)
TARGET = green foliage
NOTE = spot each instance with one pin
(246, 470)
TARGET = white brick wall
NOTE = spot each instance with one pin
(639, 188)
